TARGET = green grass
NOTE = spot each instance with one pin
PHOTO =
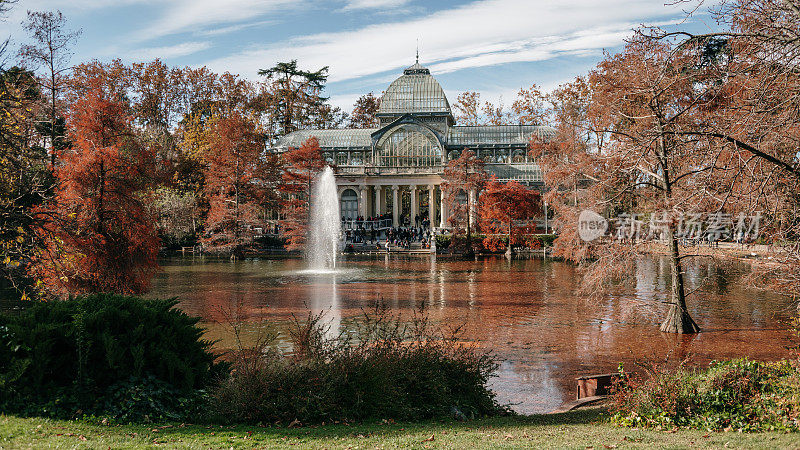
(579, 429)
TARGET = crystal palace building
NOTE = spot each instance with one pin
(396, 169)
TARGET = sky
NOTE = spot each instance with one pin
(494, 47)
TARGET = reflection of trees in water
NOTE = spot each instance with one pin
(527, 311)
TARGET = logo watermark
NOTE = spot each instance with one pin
(709, 227)
(591, 225)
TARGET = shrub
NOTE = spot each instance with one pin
(739, 394)
(74, 354)
(384, 370)
(493, 244)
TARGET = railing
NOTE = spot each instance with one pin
(523, 172)
(352, 224)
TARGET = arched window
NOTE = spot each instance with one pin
(349, 206)
(409, 146)
(502, 156)
(518, 156)
(328, 157)
(455, 154)
(341, 158)
(357, 159)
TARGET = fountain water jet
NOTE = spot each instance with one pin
(324, 224)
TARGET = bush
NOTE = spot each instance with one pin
(65, 357)
(385, 370)
(270, 241)
(486, 244)
(740, 394)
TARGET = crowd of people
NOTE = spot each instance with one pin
(379, 229)
(403, 237)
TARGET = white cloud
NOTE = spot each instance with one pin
(234, 28)
(373, 4)
(170, 51)
(192, 15)
(481, 33)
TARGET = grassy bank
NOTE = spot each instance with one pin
(579, 429)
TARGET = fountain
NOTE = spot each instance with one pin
(324, 224)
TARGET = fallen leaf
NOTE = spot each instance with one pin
(430, 439)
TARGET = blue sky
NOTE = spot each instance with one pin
(491, 46)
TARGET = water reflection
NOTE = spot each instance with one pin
(526, 311)
(325, 299)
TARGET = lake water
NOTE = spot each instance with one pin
(526, 311)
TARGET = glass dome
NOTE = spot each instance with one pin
(416, 91)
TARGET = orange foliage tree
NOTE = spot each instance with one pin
(501, 204)
(300, 167)
(100, 235)
(364, 110)
(461, 176)
(238, 181)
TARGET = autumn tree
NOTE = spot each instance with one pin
(752, 113)
(530, 108)
(51, 53)
(642, 99)
(301, 165)
(462, 181)
(496, 114)
(364, 111)
(503, 204)
(100, 236)
(567, 159)
(326, 116)
(467, 108)
(238, 181)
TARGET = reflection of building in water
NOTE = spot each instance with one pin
(396, 168)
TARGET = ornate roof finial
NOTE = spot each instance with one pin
(417, 50)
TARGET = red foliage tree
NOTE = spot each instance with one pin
(238, 181)
(502, 204)
(300, 167)
(99, 233)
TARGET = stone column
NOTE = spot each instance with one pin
(362, 201)
(442, 208)
(378, 201)
(395, 206)
(414, 205)
(431, 206)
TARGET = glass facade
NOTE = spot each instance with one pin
(418, 135)
(409, 146)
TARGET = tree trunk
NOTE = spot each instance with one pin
(678, 319)
(510, 234)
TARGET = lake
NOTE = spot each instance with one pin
(526, 311)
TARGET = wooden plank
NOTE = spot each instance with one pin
(575, 404)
